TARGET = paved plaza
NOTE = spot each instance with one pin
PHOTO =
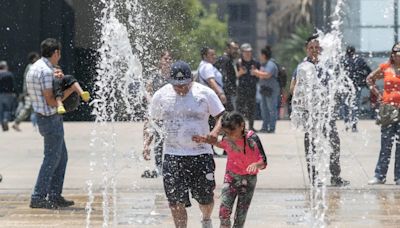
(281, 198)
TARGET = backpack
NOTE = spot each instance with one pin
(282, 75)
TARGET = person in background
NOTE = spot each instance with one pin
(269, 90)
(160, 78)
(183, 107)
(26, 111)
(7, 94)
(247, 86)
(209, 76)
(47, 192)
(390, 73)
(226, 65)
(305, 71)
(357, 70)
(245, 158)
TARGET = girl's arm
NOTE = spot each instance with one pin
(206, 139)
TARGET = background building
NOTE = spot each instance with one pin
(24, 24)
(369, 25)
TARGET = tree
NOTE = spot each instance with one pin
(208, 30)
(290, 51)
(182, 27)
(284, 17)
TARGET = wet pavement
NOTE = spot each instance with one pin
(281, 198)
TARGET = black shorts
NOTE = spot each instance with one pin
(189, 173)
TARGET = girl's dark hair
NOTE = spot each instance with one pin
(49, 46)
(231, 120)
(267, 51)
(204, 51)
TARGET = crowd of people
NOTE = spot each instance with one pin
(188, 113)
(218, 100)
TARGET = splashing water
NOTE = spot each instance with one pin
(119, 90)
(315, 103)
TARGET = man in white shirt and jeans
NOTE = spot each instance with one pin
(182, 108)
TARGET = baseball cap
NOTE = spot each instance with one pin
(181, 73)
(246, 47)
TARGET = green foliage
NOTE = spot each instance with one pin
(181, 26)
(290, 51)
(207, 30)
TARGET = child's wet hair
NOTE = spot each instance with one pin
(231, 120)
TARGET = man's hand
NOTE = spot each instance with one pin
(222, 98)
(242, 70)
(253, 71)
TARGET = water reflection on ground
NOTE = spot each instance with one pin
(270, 208)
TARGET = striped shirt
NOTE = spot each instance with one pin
(40, 77)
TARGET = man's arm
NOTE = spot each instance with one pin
(218, 126)
(49, 97)
(261, 74)
(267, 73)
(51, 100)
(219, 91)
(292, 85)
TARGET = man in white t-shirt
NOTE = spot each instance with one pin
(182, 108)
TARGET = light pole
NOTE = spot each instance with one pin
(396, 20)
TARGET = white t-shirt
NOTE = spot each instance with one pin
(308, 97)
(185, 116)
(207, 71)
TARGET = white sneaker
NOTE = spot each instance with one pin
(375, 181)
(206, 223)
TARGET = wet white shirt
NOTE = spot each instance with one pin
(185, 116)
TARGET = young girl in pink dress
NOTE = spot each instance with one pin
(245, 158)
